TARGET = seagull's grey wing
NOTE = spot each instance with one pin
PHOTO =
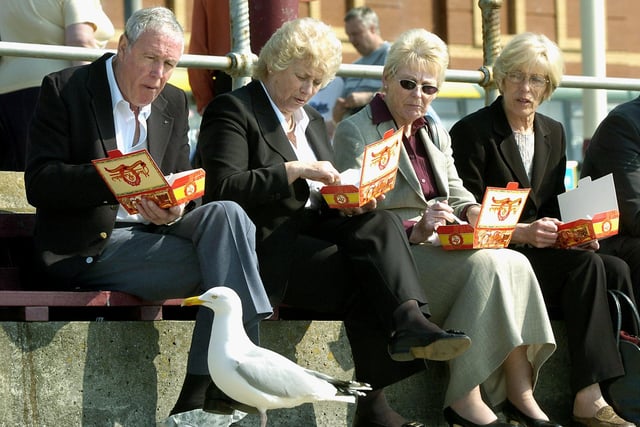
(278, 376)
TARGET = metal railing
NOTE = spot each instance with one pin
(232, 64)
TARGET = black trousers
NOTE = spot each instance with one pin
(574, 283)
(359, 269)
(627, 248)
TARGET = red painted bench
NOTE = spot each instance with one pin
(37, 304)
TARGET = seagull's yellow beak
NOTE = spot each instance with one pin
(191, 301)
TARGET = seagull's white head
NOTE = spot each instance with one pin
(219, 299)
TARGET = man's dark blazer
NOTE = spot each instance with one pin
(247, 166)
(74, 124)
(486, 155)
(615, 148)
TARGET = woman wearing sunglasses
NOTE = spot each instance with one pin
(491, 294)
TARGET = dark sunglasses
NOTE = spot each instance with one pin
(411, 85)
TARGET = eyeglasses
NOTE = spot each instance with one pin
(537, 81)
(411, 85)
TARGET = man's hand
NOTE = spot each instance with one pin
(339, 109)
(351, 101)
(156, 215)
(358, 99)
(542, 233)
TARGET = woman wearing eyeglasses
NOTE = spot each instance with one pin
(492, 295)
(510, 141)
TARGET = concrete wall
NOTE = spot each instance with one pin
(12, 193)
(130, 373)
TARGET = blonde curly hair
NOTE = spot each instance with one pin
(306, 39)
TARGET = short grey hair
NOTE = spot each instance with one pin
(158, 19)
(366, 15)
(418, 48)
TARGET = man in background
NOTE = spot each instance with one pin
(362, 26)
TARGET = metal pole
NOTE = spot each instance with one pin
(491, 44)
(267, 16)
(131, 6)
(242, 58)
(252, 23)
(594, 63)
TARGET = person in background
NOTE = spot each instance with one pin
(265, 149)
(210, 35)
(324, 100)
(80, 23)
(615, 148)
(85, 240)
(509, 141)
(492, 294)
(362, 26)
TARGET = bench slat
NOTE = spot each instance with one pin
(13, 298)
(17, 224)
(35, 305)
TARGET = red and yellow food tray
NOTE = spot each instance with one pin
(377, 176)
(135, 175)
(589, 212)
(499, 214)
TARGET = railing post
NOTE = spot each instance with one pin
(491, 44)
(594, 63)
(252, 23)
(267, 16)
(131, 6)
(242, 58)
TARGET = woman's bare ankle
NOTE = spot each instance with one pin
(588, 401)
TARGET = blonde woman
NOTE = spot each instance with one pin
(509, 141)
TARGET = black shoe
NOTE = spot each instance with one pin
(453, 419)
(360, 422)
(192, 393)
(512, 413)
(408, 344)
(374, 424)
(216, 402)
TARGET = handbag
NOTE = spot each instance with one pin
(623, 393)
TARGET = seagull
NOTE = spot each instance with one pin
(257, 376)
